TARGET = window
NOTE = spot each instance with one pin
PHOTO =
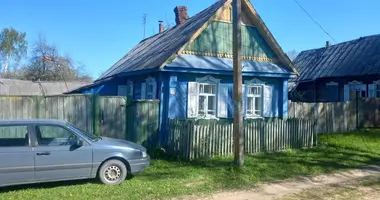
(377, 90)
(14, 136)
(254, 101)
(354, 90)
(149, 89)
(49, 135)
(207, 100)
(332, 93)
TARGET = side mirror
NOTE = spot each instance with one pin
(79, 143)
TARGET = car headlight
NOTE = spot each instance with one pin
(144, 154)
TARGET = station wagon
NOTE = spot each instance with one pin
(33, 151)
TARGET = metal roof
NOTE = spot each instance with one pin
(152, 52)
(352, 58)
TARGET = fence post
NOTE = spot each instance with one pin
(128, 117)
(38, 106)
(96, 113)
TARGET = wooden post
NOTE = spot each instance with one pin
(238, 101)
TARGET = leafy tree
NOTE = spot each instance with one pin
(13, 46)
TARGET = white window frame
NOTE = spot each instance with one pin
(254, 96)
(195, 94)
(207, 96)
(255, 82)
(149, 82)
(356, 86)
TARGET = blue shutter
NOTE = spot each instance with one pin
(143, 90)
(371, 90)
(222, 101)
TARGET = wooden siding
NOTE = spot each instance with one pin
(190, 140)
(216, 40)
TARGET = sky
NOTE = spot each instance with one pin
(98, 33)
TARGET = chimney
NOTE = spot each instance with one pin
(181, 14)
(161, 26)
(328, 44)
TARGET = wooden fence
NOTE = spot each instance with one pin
(339, 117)
(190, 140)
(116, 117)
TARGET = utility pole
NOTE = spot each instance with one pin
(238, 90)
(144, 25)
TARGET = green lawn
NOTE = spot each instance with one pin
(167, 178)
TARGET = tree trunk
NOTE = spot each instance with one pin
(6, 64)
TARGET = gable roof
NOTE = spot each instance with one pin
(352, 58)
(156, 51)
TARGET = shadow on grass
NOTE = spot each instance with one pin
(47, 185)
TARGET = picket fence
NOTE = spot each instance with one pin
(190, 140)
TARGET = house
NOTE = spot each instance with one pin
(340, 72)
(24, 87)
(189, 68)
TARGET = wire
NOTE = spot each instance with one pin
(320, 26)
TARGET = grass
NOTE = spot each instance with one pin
(170, 178)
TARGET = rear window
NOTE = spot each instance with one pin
(14, 136)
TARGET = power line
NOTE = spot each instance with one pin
(320, 26)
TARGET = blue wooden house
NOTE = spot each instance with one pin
(189, 68)
(340, 72)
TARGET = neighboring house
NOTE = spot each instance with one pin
(340, 72)
(189, 68)
(22, 87)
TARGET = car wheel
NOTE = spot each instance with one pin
(112, 172)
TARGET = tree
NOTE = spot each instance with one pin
(292, 54)
(46, 64)
(13, 46)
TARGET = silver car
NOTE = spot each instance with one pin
(33, 151)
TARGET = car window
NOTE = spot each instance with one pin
(84, 133)
(14, 136)
(49, 135)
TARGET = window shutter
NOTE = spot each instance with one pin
(143, 90)
(244, 101)
(192, 99)
(154, 89)
(223, 100)
(122, 90)
(268, 94)
(372, 90)
(346, 92)
(130, 89)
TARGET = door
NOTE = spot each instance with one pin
(16, 155)
(58, 155)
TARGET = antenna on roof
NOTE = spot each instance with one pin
(144, 24)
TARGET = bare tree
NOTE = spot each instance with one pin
(46, 64)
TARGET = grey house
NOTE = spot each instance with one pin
(340, 72)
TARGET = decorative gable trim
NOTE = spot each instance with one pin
(355, 82)
(376, 82)
(332, 83)
(255, 81)
(207, 79)
(197, 33)
(225, 55)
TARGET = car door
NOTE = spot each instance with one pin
(16, 155)
(57, 155)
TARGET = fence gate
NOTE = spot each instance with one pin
(112, 117)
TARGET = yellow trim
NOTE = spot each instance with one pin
(197, 33)
(225, 55)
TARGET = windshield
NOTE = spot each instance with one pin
(84, 133)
